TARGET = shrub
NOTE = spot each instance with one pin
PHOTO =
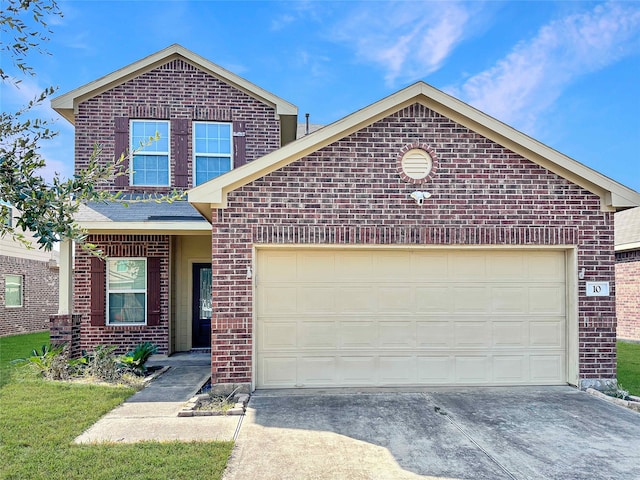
(136, 359)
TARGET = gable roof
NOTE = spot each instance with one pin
(613, 195)
(627, 230)
(66, 104)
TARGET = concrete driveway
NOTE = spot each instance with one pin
(480, 433)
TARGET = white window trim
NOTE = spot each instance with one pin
(134, 152)
(138, 290)
(21, 277)
(196, 153)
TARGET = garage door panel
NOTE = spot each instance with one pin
(397, 334)
(428, 266)
(475, 334)
(510, 369)
(508, 299)
(357, 370)
(507, 266)
(472, 370)
(394, 299)
(510, 334)
(435, 334)
(402, 317)
(467, 266)
(547, 300)
(355, 299)
(397, 370)
(547, 333)
(358, 333)
(277, 300)
(315, 299)
(318, 334)
(545, 368)
(355, 267)
(317, 267)
(317, 371)
(471, 299)
(546, 266)
(433, 299)
(276, 336)
(278, 371)
(278, 267)
(435, 370)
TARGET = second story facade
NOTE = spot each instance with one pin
(206, 119)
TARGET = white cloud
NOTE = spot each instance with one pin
(536, 72)
(408, 40)
(57, 152)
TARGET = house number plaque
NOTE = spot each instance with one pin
(597, 289)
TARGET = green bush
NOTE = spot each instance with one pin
(136, 359)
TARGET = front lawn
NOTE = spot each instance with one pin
(39, 420)
(629, 367)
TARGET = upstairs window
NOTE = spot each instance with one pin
(127, 291)
(212, 150)
(13, 291)
(150, 159)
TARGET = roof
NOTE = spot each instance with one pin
(627, 229)
(613, 195)
(142, 217)
(66, 104)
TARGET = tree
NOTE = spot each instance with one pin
(47, 208)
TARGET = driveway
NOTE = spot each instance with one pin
(480, 433)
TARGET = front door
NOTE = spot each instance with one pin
(201, 327)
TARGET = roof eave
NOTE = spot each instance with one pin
(613, 195)
(67, 103)
(157, 228)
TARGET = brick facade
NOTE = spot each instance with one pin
(125, 337)
(40, 295)
(175, 90)
(172, 91)
(628, 294)
(351, 192)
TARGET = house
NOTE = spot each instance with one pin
(28, 283)
(416, 241)
(627, 247)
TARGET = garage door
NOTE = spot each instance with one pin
(384, 317)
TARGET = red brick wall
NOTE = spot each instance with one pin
(350, 192)
(125, 337)
(628, 294)
(173, 90)
(40, 296)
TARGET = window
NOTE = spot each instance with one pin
(211, 150)
(13, 290)
(150, 159)
(126, 291)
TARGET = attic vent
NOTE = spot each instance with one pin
(416, 164)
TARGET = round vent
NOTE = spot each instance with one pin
(417, 164)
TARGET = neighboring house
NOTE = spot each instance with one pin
(417, 241)
(28, 283)
(627, 240)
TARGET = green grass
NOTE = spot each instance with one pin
(39, 420)
(18, 346)
(629, 367)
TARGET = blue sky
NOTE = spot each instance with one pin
(565, 73)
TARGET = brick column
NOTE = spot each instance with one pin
(65, 330)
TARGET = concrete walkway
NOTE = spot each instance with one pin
(151, 413)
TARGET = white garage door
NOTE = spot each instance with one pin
(377, 317)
